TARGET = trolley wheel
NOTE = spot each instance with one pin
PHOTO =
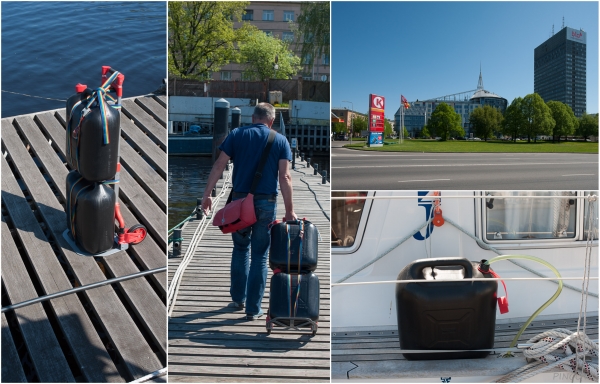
(314, 332)
(139, 230)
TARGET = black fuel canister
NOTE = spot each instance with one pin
(451, 315)
(88, 154)
(90, 213)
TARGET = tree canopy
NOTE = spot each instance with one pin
(360, 123)
(565, 121)
(514, 120)
(588, 126)
(312, 31)
(537, 117)
(445, 122)
(202, 38)
(486, 121)
(258, 55)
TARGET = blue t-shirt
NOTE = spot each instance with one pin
(245, 146)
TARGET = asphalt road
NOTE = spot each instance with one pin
(362, 170)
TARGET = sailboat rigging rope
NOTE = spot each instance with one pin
(189, 253)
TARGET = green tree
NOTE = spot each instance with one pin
(339, 127)
(514, 120)
(445, 122)
(588, 126)
(425, 132)
(538, 118)
(312, 31)
(486, 121)
(565, 121)
(258, 56)
(388, 131)
(202, 38)
(360, 124)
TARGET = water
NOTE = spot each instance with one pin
(187, 179)
(48, 47)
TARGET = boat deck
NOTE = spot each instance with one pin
(374, 354)
(113, 333)
(209, 342)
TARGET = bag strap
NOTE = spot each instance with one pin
(263, 161)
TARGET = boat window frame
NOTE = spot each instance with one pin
(577, 240)
(362, 225)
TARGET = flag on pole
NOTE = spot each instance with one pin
(404, 102)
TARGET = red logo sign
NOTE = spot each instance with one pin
(576, 35)
(376, 113)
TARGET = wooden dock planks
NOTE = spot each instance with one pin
(209, 342)
(130, 315)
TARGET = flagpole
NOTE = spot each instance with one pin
(402, 126)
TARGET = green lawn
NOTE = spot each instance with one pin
(480, 146)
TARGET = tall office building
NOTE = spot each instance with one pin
(560, 69)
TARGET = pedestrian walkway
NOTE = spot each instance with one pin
(210, 342)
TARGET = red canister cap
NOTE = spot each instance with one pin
(80, 88)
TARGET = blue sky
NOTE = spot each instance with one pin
(430, 49)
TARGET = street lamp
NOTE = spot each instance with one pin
(352, 120)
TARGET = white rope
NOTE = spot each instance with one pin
(561, 341)
(582, 197)
(189, 253)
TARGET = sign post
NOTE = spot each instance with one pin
(294, 147)
(376, 120)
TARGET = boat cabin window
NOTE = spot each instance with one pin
(345, 218)
(523, 218)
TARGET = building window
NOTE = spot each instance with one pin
(268, 33)
(288, 15)
(325, 59)
(288, 36)
(306, 59)
(268, 15)
(249, 15)
(226, 75)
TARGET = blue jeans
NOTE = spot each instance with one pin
(248, 280)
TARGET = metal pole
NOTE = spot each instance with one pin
(82, 288)
(220, 126)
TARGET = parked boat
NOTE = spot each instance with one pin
(375, 235)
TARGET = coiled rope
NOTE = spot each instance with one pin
(173, 289)
(314, 193)
(563, 340)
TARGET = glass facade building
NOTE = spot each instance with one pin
(560, 69)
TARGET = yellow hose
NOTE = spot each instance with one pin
(546, 304)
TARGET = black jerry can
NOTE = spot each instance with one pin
(286, 301)
(90, 213)
(294, 244)
(88, 154)
(450, 315)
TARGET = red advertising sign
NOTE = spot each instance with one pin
(376, 113)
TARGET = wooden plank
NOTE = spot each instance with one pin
(208, 352)
(12, 371)
(161, 99)
(249, 361)
(152, 153)
(46, 354)
(146, 123)
(247, 372)
(145, 175)
(188, 378)
(128, 341)
(146, 210)
(153, 108)
(88, 349)
(146, 304)
(265, 343)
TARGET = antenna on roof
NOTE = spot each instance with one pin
(563, 25)
(552, 29)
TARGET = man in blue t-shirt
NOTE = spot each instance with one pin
(244, 146)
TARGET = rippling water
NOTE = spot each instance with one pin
(48, 47)
(187, 179)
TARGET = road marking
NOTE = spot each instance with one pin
(466, 165)
(580, 174)
(418, 181)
